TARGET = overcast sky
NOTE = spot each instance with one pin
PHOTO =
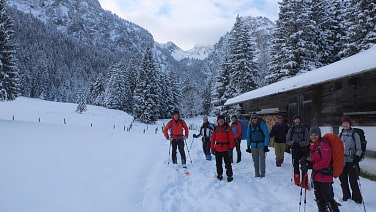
(189, 22)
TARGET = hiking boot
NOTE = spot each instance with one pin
(229, 179)
(184, 166)
(220, 177)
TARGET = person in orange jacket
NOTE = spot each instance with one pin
(221, 143)
(177, 131)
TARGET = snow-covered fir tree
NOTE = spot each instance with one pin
(9, 81)
(294, 48)
(117, 92)
(146, 94)
(97, 93)
(190, 105)
(81, 107)
(207, 99)
(359, 25)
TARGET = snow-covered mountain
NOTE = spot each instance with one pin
(86, 21)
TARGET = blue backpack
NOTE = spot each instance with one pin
(244, 129)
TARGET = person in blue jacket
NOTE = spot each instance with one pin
(257, 143)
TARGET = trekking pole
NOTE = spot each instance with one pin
(305, 199)
(169, 154)
(300, 200)
(360, 186)
(191, 143)
(185, 141)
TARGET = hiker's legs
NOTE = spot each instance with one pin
(353, 178)
(256, 160)
(174, 146)
(345, 183)
(181, 150)
(218, 162)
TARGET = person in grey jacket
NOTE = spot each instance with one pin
(298, 138)
(351, 170)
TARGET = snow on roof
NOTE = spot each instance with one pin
(358, 63)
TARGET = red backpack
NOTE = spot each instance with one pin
(338, 154)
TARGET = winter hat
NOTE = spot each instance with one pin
(297, 117)
(205, 118)
(233, 116)
(220, 117)
(346, 119)
(315, 130)
(254, 115)
(175, 112)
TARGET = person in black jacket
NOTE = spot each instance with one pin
(206, 133)
(298, 138)
(279, 132)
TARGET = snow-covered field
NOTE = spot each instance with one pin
(91, 164)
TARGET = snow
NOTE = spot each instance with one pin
(198, 52)
(90, 164)
(358, 63)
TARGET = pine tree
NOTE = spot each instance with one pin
(117, 90)
(9, 82)
(81, 107)
(294, 49)
(146, 92)
(207, 99)
(359, 26)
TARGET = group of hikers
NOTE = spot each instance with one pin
(308, 148)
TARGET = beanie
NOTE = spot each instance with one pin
(254, 115)
(233, 116)
(220, 117)
(346, 119)
(315, 130)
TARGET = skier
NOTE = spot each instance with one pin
(320, 161)
(350, 172)
(298, 138)
(206, 133)
(221, 142)
(237, 130)
(176, 127)
(258, 139)
(279, 132)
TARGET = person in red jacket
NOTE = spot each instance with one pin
(322, 174)
(221, 143)
(177, 131)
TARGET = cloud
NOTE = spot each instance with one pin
(189, 22)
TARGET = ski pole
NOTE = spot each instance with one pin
(185, 141)
(169, 154)
(360, 186)
(305, 199)
(191, 143)
(300, 200)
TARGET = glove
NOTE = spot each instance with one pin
(248, 150)
(195, 136)
(212, 151)
(356, 158)
(185, 137)
(170, 139)
(266, 149)
(295, 145)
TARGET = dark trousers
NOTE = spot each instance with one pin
(350, 175)
(238, 151)
(219, 156)
(325, 197)
(178, 143)
(206, 145)
(297, 154)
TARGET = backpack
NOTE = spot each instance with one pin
(338, 153)
(244, 124)
(363, 141)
